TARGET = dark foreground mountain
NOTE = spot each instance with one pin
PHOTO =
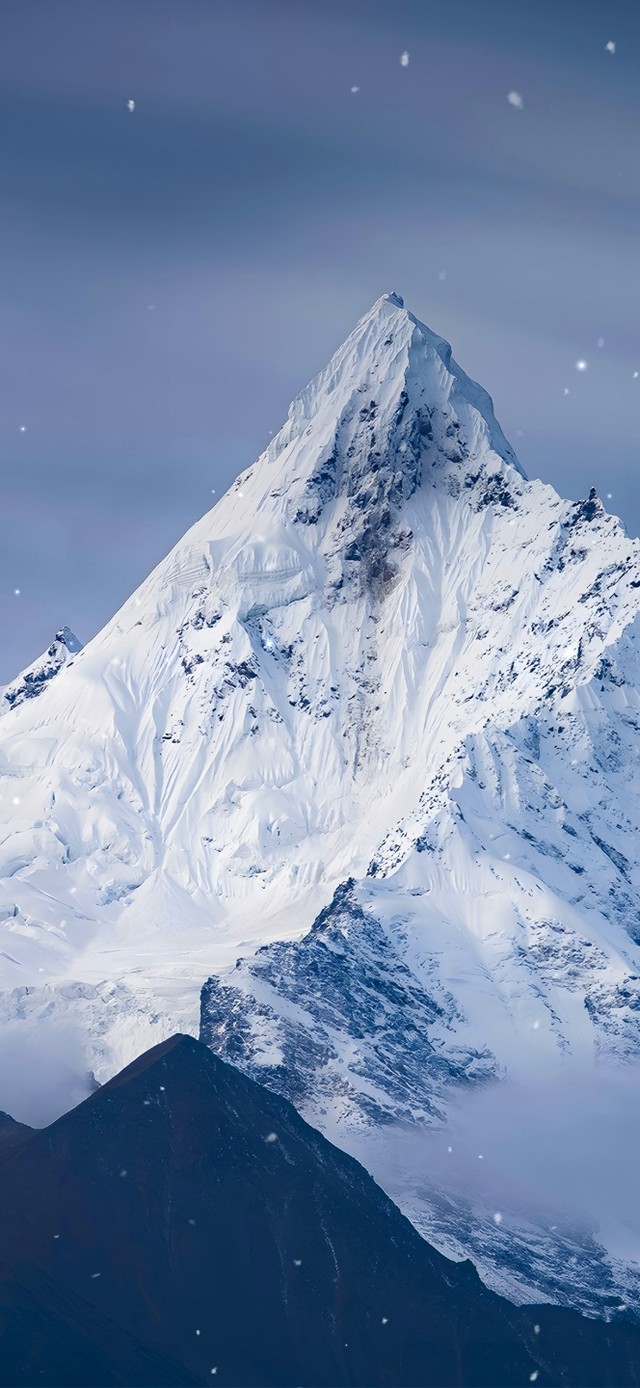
(184, 1225)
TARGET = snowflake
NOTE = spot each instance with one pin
(271, 1137)
(131, 105)
(385, 1320)
(354, 90)
(23, 428)
(442, 275)
(601, 342)
(610, 46)
(515, 99)
(404, 59)
(17, 592)
(581, 364)
(566, 390)
(533, 1376)
(497, 1218)
(536, 1329)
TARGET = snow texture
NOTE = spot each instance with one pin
(372, 728)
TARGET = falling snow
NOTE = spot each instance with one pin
(610, 46)
(515, 99)
(131, 105)
(404, 59)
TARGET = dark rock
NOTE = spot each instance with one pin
(205, 1203)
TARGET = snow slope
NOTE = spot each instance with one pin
(387, 660)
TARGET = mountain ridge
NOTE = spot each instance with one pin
(385, 657)
(183, 1222)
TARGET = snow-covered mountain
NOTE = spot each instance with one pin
(377, 712)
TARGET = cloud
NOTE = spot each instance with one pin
(562, 1152)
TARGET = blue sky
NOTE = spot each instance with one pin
(260, 206)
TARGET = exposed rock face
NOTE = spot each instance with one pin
(34, 679)
(185, 1223)
(384, 658)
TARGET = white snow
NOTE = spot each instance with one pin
(386, 655)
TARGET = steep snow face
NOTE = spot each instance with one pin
(384, 656)
(33, 680)
(209, 758)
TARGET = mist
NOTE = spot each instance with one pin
(563, 1151)
(42, 1073)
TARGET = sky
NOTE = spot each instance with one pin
(171, 275)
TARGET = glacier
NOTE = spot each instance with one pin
(350, 788)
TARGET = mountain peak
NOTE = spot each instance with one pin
(384, 655)
(392, 361)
